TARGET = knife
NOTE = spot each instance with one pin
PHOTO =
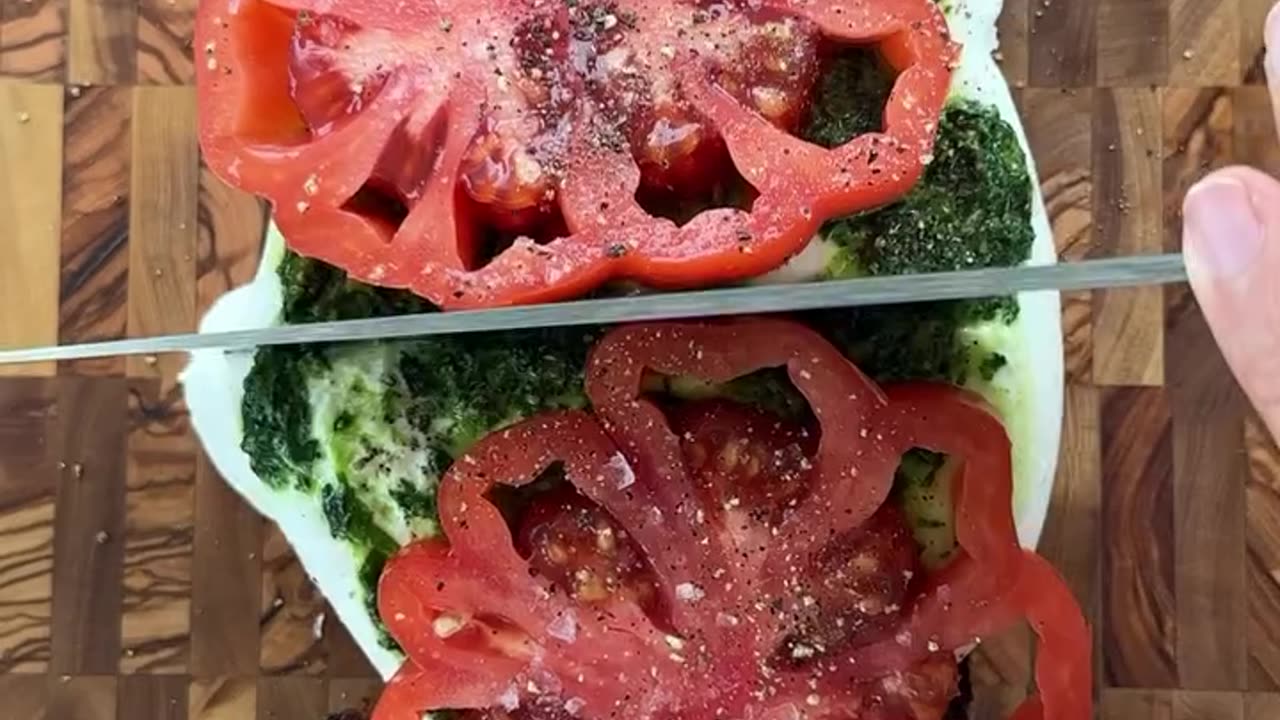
(1083, 275)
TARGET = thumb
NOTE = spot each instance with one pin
(1231, 239)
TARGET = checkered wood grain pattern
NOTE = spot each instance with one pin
(134, 585)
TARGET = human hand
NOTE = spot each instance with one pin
(1231, 239)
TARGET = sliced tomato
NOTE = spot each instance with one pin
(541, 122)
(786, 587)
(581, 550)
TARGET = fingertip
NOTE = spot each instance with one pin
(1222, 230)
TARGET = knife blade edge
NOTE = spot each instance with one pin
(859, 292)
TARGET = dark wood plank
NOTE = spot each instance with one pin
(358, 694)
(343, 657)
(83, 698)
(1263, 540)
(1208, 706)
(28, 482)
(95, 223)
(1255, 129)
(1128, 324)
(88, 539)
(1209, 475)
(1261, 706)
(226, 580)
(1001, 672)
(1063, 43)
(1072, 532)
(1014, 52)
(152, 697)
(1060, 122)
(100, 41)
(1135, 705)
(1138, 617)
(1133, 43)
(223, 698)
(291, 698)
(26, 696)
(33, 39)
(292, 613)
(162, 221)
(159, 502)
(166, 29)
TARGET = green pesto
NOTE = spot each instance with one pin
(317, 292)
(850, 98)
(972, 208)
(277, 416)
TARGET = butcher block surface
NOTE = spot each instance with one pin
(134, 585)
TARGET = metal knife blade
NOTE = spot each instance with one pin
(1083, 275)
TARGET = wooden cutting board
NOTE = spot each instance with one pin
(134, 585)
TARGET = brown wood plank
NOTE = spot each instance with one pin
(1014, 51)
(1208, 706)
(358, 694)
(1208, 425)
(292, 612)
(88, 542)
(166, 29)
(291, 698)
(1063, 43)
(155, 626)
(1061, 122)
(1209, 475)
(226, 580)
(343, 657)
(1136, 705)
(1253, 16)
(1198, 137)
(223, 698)
(28, 483)
(1073, 529)
(100, 41)
(231, 228)
(1263, 540)
(89, 697)
(26, 696)
(162, 221)
(152, 697)
(95, 223)
(1000, 671)
(1204, 43)
(30, 188)
(1261, 706)
(1255, 129)
(1133, 43)
(33, 39)
(1128, 324)
(1138, 617)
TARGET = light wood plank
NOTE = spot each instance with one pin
(30, 203)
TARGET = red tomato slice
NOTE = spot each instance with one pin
(396, 139)
(581, 550)
(787, 588)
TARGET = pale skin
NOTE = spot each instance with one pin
(1231, 239)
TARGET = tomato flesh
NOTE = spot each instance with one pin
(578, 547)
(786, 587)
(554, 121)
